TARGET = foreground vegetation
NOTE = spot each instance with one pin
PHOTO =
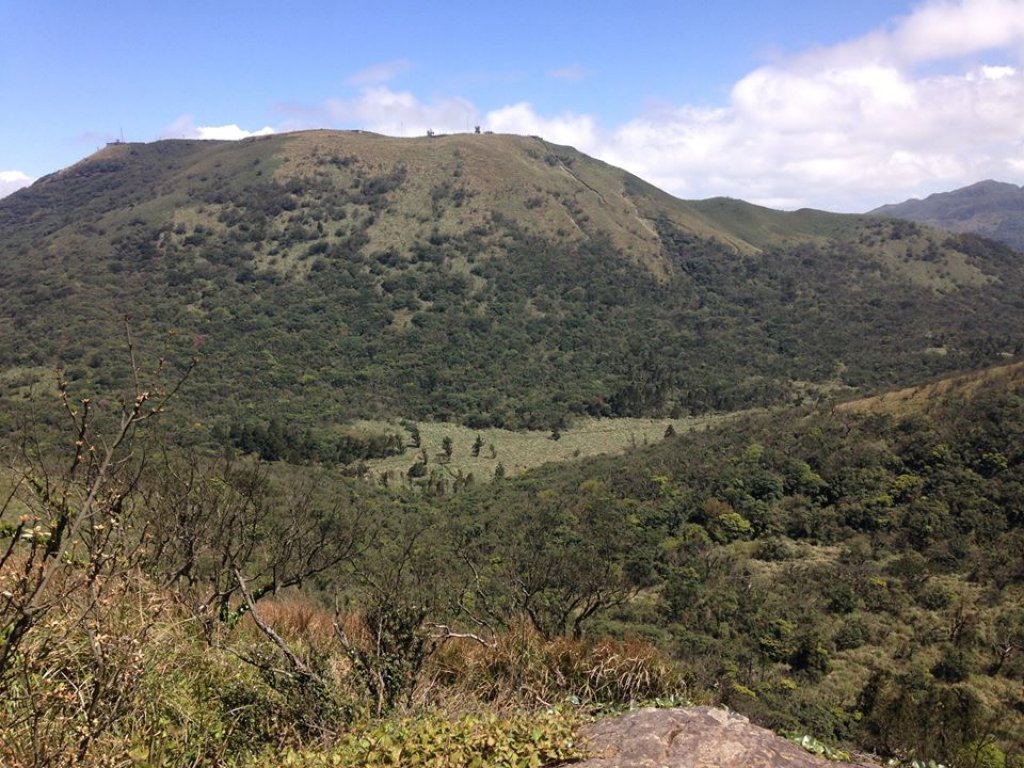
(853, 573)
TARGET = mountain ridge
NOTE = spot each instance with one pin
(431, 158)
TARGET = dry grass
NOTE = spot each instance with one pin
(516, 176)
(552, 191)
(513, 668)
(911, 400)
(299, 619)
(522, 669)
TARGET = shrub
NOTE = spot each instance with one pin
(485, 739)
(522, 668)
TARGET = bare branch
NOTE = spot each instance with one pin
(298, 664)
(446, 634)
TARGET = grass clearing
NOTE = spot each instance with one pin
(518, 452)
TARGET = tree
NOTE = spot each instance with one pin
(914, 714)
(562, 562)
(401, 583)
(218, 525)
(414, 433)
(69, 661)
(447, 447)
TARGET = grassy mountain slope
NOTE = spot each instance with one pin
(767, 228)
(916, 401)
(991, 208)
(496, 280)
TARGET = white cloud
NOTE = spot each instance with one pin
(997, 73)
(848, 127)
(941, 30)
(574, 73)
(185, 128)
(12, 181)
(844, 139)
(396, 113)
(936, 30)
(230, 132)
(568, 128)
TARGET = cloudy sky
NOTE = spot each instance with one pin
(842, 105)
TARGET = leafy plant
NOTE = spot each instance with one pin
(519, 740)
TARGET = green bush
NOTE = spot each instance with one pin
(472, 741)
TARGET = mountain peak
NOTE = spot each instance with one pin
(990, 208)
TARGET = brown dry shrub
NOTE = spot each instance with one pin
(300, 620)
(520, 668)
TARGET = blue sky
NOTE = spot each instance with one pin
(842, 105)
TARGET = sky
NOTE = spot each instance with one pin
(841, 105)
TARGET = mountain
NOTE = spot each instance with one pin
(994, 209)
(494, 280)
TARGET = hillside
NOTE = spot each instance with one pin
(499, 281)
(990, 208)
(854, 573)
(917, 401)
(847, 575)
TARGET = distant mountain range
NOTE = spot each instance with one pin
(994, 209)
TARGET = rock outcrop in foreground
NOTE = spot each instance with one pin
(695, 737)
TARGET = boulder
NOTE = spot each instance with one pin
(694, 737)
